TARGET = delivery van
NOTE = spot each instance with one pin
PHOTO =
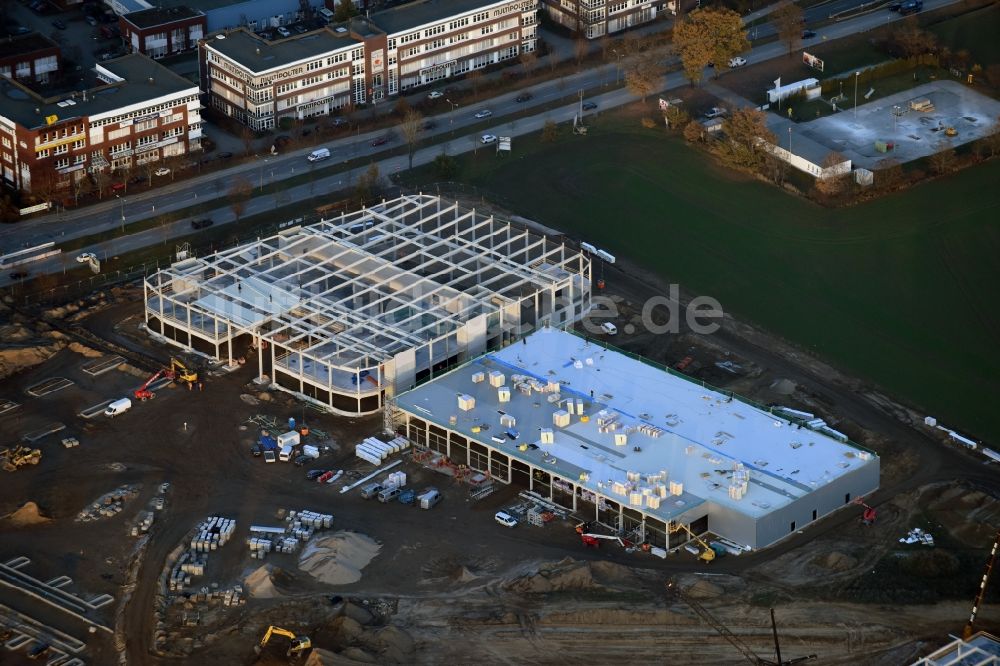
(286, 453)
(429, 499)
(118, 407)
(319, 154)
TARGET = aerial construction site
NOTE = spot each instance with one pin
(402, 435)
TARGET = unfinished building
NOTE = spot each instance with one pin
(348, 311)
(645, 451)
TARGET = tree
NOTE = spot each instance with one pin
(549, 131)
(708, 35)
(642, 76)
(475, 78)
(239, 193)
(368, 183)
(833, 186)
(410, 128)
(246, 134)
(100, 181)
(746, 133)
(992, 140)
(605, 44)
(344, 11)
(943, 161)
(445, 166)
(528, 61)
(888, 173)
(909, 40)
(788, 20)
(81, 186)
(676, 117)
(693, 132)
(580, 50)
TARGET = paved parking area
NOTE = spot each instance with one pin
(50, 385)
(914, 134)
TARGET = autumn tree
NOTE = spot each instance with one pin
(368, 183)
(445, 166)
(549, 131)
(708, 35)
(833, 186)
(580, 50)
(344, 11)
(529, 59)
(943, 161)
(909, 40)
(81, 186)
(676, 117)
(410, 129)
(239, 193)
(788, 20)
(642, 76)
(746, 135)
(693, 131)
(888, 173)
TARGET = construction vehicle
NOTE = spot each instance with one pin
(181, 372)
(868, 514)
(707, 553)
(675, 592)
(299, 643)
(593, 540)
(20, 456)
(981, 594)
(143, 393)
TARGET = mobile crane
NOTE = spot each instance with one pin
(299, 643)
(707, 554)
(674, 591)
(981, 594)
(143, 393)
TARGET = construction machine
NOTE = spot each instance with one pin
(299, 643)
(143, 393)
(868, 514)
(707, 554)
(181, 372)
(674, 592)
(20, 456)
(981, 593)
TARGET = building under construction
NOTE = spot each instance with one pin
(350, 310)
(637, 448)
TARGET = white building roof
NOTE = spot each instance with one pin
(676, 429)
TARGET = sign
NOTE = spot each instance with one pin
(35, 209)
(504, 144)
(812, 61)
(51, 120)
(664, 104)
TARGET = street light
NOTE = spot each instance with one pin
(451, 117)
(618, 64)
(856, 75)
(118, 196)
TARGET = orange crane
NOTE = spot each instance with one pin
(674, 590)
(143, 393)
(981, 594)
(869, 514)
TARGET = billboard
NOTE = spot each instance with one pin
(812, 61)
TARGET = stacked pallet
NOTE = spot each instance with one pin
(374, 450)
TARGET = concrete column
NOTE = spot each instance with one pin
(190, 340)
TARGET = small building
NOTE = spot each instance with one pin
(29, 59)
(980, 649)
(637, 448)
(593, 19)
(347, 312)
(795, 145)
(162, 32)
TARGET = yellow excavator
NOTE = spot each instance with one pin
(299, 643)
(181, 372)
(707, 554)
(19, 456)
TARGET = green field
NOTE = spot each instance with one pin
(903, 291)
(977, 31)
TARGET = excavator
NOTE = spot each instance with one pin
(707, 554)
(299, 643)
(19, 456)
(181, 372)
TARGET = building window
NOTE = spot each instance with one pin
(42, 153)
(847, 498)
(62, 163)
(79, 159)
(815, 514)
(792, 527)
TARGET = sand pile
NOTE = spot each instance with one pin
(28, 514)
(84, 350)
(17, 359)
(338, 559)
(259, 584)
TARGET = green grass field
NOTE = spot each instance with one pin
(902, 291)
(977, 31)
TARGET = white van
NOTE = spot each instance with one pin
(429, 499)
(319, 154)
(118, 407)
(286, 453)
(609, 328)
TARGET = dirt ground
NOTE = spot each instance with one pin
(449, 583)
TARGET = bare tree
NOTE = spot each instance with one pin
(943, 161)
(605, 43)
(909, 40)
(642, 76)
(474, 78)
(528, 61)
(580, 50)
(100, 181)
(888, 173)
(833, 186)
(81, 186)
(368, 183)
(246, 134)
(549, 131)
(239, 193)
(788, 20)
(410, 128)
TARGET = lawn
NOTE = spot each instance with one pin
(977, 31)
(901, 291)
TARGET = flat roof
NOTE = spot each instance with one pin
(356, 290)
(675, 429)
(149, 18)
(415, 14)
(257, 54)
(981, 649)
(143, 79)
(25, 44)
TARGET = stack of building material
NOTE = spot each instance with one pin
(213, 533)
(395, 480)
(676, 488)
(478, 377)
(259, 547)
(311, 451)
(497, 379)
(547, 436)
(503, 394)
(466, 402)
(917, 535)
(621, 439)
(560, 418)
(311, 519)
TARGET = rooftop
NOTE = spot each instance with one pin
(258, 55)
(668, 427)
(139, 79)
(148, 18)
(24, 44)
(415, 14)
(982, 649)
(356, 290)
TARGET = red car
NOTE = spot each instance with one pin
(325, 477)
(380, 141)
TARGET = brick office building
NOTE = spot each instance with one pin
(596, 18)
(31, 58)
(260, 82)
(139, 113)
(161, 32)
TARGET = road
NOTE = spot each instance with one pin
(452, 134)
(824, 11)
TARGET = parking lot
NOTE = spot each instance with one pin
(82, 38)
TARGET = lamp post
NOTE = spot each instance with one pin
(122, 199)
(856, 76)
(451, 116)
(262, 164)
(618, 64)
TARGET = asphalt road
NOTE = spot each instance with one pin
(453, 133)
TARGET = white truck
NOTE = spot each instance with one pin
(117, 407)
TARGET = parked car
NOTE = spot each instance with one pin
(380, 141)
(314, 474)
(85, 257)
(894, 6)
(162, 171)
(715, 112)
(59, 25)
(91, 21)
(299, 29)
(203, 223)
(21, 30)
(428, 125)
(371, 490)
(407, 497)
(269, 457)
(340, 122)
(256, 450)
(523, 97)
(435, 94)
(485, 113)
(283, 31)
(302, 460)
(808, 34)
(911, 7)
(18, 275)
(738, 61)
(589, 106)
(488, 138)
(505, 519)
